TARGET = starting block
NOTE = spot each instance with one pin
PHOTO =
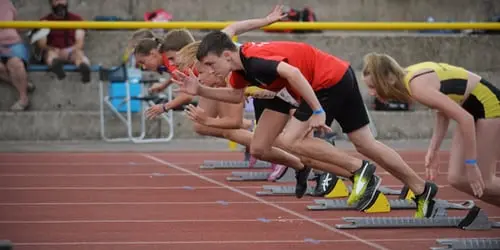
(5, 245)
(476, 219)
(282, 191)
(288, 176)
(384, 190)
(468, 244)
(233, 164)
(321, 189)
(397, 204)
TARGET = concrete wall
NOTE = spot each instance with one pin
(327, 10)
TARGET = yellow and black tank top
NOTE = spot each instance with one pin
(482, 102)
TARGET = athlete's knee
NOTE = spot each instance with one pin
(200, 129)
(258, 150)
(458, 181)
(364, 146)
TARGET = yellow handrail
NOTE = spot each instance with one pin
(276, 26)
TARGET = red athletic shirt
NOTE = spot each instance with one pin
(171, 68)
(260, 62)
(62, 38)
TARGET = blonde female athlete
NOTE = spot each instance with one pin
(457, 94)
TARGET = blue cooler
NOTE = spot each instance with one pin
(117, 91)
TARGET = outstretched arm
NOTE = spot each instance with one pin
(230, 117)
(190, 84)
(241, 27)
(300, 83)
(230, 95)
(179, 100)
(430, 96)
(440, 128)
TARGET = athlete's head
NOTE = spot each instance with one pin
(134, 39)
(208, 78)
(148, 52)
(384, 77)
(139, 35)
(217, 51)
(186, 58)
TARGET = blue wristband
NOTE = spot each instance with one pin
(319, 111)
(470, 162)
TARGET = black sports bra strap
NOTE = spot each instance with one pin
(420, 74)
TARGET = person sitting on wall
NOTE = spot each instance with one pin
(62, 45)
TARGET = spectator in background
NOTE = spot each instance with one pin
(64, 44)
(14, 57)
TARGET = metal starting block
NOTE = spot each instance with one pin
(327, 185)
(394, 204)
(270, 190)
(384, 190)
(288, 176)
(275, 190)
(468, 244)
(476, 219)
(210, 164)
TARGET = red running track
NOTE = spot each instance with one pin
(164, 201)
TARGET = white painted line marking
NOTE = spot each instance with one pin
(286, 210)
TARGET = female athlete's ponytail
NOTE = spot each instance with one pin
(145, 45)
(387, 77)
(186, 57)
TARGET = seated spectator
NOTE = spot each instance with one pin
(14, 58)
(62, 45)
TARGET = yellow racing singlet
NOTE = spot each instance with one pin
(482, 102)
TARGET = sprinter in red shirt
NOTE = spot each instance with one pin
(326, 88)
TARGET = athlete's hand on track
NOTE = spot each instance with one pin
(431, 165)
(317, 122)
(196, 114)
(188, 84)
(277, 14)
(475, 179)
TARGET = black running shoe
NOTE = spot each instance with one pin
(425, 200)
(360, 181)
(325, 184)
(370, 193)
(302, 177)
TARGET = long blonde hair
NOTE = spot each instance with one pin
(186, 57)
(387, 76)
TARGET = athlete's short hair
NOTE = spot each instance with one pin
(215, 42)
